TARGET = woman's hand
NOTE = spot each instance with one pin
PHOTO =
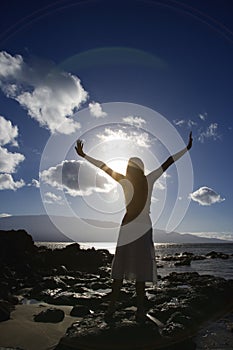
(79, 148)
(190, 141)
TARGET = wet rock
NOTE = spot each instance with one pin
(169, 258)
(183, 278)
(69, 280)
(86, 260)
(95, 332)
(166, 310)
(12, 299)
(188, 254)
(217, 255)
(50, 316)
(77, 288)
(198, 257)
(184, 258)
(52, 283)
(98, 285)
(5, 310)
(79, 311)
(61, 270)
(122, 332)
(178, 317)
(16, 246)
(4, 289)
(183, 262)
(104, 271)
(173, 329)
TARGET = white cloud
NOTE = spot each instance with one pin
(159, 185)
(7, 182)
(139, 138)
(206, 196)
(76, 178)
(96, 110)
(34, 183)
(49, 95)
(9, 161)
(134, 121)
(203, 116)
(183, 122)
(5, 215)
(211, 132)
(51, 198)
(178, 122)
(10, 65)
(165, 175)
(8, 132)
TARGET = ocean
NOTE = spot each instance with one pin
(216, 267)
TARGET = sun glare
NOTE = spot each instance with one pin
(118, 165)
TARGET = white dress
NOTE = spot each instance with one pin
(135, 254)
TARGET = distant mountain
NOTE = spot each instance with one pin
(67, 229)
(161, 236)
(61, 228)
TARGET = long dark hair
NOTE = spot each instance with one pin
(135, 174)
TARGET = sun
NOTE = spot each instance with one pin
(118, 165)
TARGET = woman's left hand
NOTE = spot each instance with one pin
(79, 148)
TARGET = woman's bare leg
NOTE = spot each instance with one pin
(116, 287)
(140, 291)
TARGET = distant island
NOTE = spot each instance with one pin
(69, 229)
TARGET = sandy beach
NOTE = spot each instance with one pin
(23, 332)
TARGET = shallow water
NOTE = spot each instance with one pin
(217, 267)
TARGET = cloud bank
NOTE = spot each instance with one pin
(51, 198)
(76, 178)
(7, 182)
(8, 132)
(96, 110)
(134, 121)
(206, 196)
(9, 161)
(49, 95)
(140, 139)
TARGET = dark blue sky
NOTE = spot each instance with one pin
(173, 57)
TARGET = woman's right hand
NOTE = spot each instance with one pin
(79, 148)
(190, 141)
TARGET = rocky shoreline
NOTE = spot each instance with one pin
(183, 302)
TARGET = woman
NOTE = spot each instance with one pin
(135, 255)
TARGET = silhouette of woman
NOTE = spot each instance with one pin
(134, 258)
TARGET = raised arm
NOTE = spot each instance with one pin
(98, 163)
(177, 155)
(154, 175)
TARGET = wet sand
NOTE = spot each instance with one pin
(23, 332)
